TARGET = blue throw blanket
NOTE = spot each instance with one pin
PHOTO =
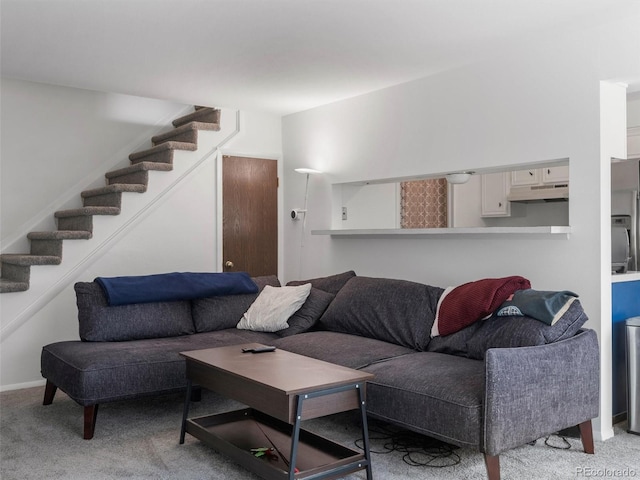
(167, 287)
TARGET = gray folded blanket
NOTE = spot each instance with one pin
(546, 306)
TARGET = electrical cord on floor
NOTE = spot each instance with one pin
(564, 446)
(565, 443)
(419, 450)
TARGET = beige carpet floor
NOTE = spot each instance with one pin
(138, 439)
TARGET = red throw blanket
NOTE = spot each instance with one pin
(463, 305)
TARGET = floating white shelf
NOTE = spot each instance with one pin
(435, 232)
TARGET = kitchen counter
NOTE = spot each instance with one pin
(625, 277)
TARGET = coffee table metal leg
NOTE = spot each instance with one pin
(185, 412)
(365, 432)
(295, 435)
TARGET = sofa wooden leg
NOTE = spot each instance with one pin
(493, 466)
(586, 435)
(90, 414)
(49, 393)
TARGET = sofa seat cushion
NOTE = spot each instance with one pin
(93, 373)
(432, 393)
(395, 311)
(340, 348)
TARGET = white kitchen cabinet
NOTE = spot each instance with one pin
(540, 176)
(520, 178)
(495, 187)
(555, 174)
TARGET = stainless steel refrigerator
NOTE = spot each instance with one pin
(625, 208)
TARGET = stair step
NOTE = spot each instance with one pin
(115, 188)
(81, 219)
(201, 114)
(9, 286)
(50, 243)
(138, 173)
(185, 133)
(60, 235)
(27, 260)
(162, 153)
(109, 196)
(87, 211)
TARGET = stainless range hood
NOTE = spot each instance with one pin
(539, 193)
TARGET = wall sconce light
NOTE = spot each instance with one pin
(458, 178)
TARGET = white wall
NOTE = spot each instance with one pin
(180, 235)
(542, 105)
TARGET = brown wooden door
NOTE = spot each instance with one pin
(249, 215)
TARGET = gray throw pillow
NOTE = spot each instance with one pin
(310, 312)
(331, 284)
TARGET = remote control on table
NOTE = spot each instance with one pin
(259, 349)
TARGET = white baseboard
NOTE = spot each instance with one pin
(20, 386)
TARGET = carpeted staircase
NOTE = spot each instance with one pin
(77, 224)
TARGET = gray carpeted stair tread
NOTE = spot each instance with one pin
(139, 167)
(204, 114)
(10, 286)
(60, 235)
(185, 133)
(115, 188)
(85, 211)
(162, 147)
(27, 260)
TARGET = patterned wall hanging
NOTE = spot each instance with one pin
(423, 203)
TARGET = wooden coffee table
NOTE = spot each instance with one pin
(281, 390)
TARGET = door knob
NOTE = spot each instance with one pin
(228, 264)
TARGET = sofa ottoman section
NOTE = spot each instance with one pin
(435, 394)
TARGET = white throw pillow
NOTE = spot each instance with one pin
(273, 307)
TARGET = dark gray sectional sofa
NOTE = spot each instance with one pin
(494, 385)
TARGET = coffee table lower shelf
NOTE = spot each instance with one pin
(236, 433)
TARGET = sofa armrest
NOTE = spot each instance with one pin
(531, 392)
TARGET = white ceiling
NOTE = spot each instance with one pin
(279, 56)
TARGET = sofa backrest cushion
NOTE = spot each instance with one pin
(396, 311)
(331, 284)
(99, 322)
(225, 311)
(509, 332)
